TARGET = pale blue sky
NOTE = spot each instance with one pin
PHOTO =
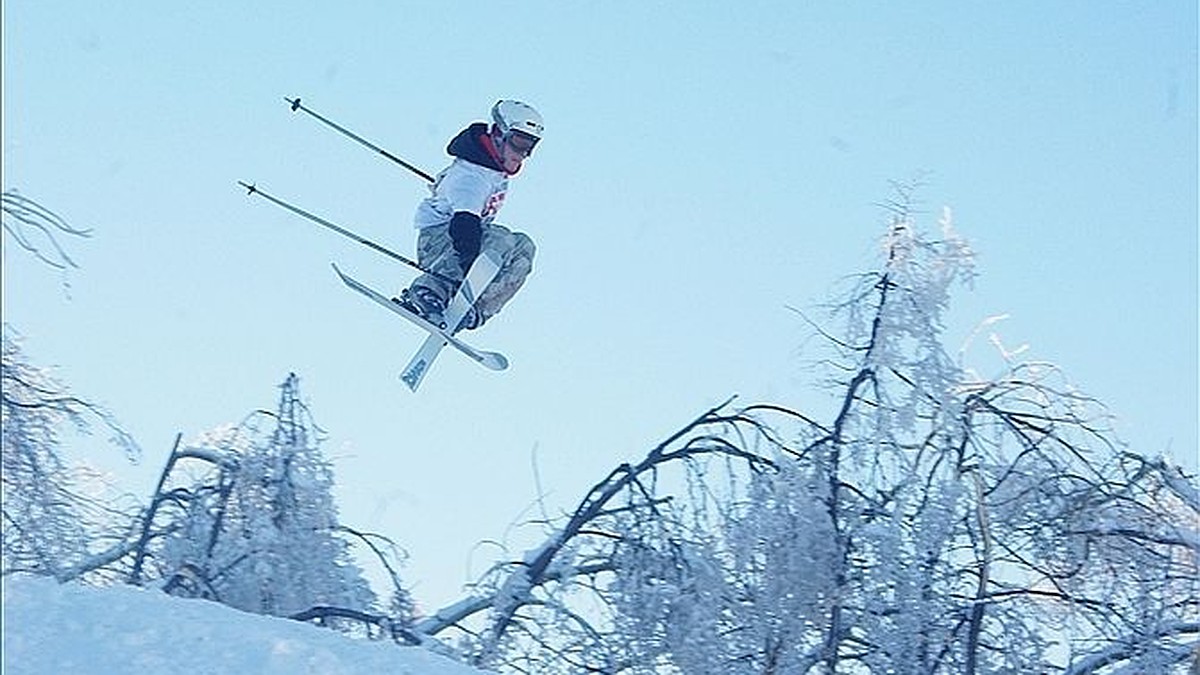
(703, 170)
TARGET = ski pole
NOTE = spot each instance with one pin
(252, 189)
(296, 105)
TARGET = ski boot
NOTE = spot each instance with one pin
(425, 303)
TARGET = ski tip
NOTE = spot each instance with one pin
(490, 360)
(342, 275)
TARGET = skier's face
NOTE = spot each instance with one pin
(516, 147)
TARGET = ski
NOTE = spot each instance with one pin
(482, 271)
(438, 335)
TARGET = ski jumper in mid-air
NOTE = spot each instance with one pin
(456, 223)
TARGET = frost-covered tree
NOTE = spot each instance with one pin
(46, 517)
(51, 524)
(259, 530)
(935, 522)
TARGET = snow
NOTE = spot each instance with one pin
(71, 628)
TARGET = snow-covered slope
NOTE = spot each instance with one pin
(61, 629)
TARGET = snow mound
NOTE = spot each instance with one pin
(70, 628)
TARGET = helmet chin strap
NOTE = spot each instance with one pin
(492, 143)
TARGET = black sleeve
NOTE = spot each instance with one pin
(467, 233)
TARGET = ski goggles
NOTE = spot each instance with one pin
(521, 142)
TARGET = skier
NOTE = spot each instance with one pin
(457, 221)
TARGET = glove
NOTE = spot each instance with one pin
(467, 234)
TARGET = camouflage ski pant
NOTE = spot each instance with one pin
(513, 250)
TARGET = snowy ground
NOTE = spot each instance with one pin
(61, 629)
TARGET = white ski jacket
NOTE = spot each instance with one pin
(473, 183)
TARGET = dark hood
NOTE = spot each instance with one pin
(472, 144)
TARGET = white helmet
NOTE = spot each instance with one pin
(514, 116)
